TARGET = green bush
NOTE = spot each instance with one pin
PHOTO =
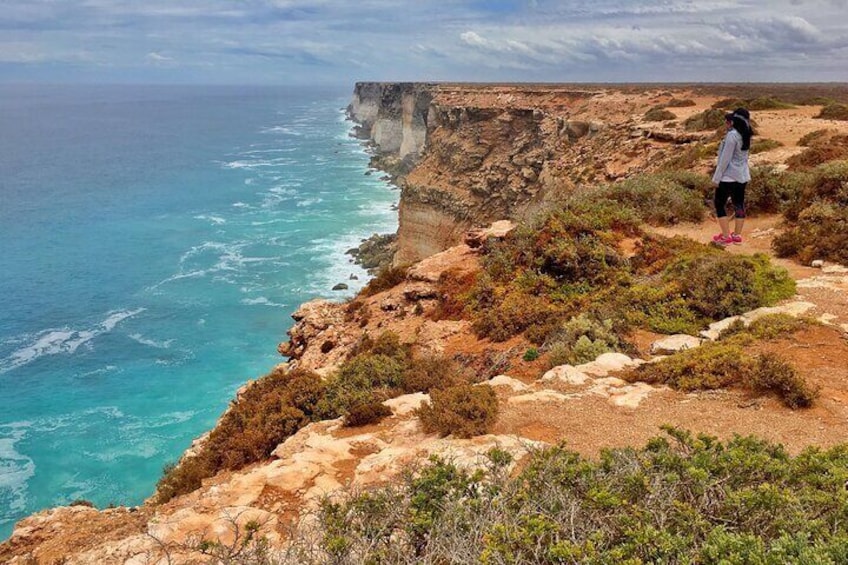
(580, 340)
(659, 114)
(820, 216)
(835, 111)
(723, 285)
(771, 326)
(679, 103)
(763, 145)
(388, 277)
(366, 413)
(429, 372)
(462, 410)
(772, 191)
(661, 199)
(725, 364)
(531, 355)
(711, 119)
(680, 499)
(770, 373)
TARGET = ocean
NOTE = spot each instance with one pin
(154, 241)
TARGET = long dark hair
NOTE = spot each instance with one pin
(741, 123)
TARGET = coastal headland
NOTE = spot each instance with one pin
(552, 273)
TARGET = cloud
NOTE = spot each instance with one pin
(342, 41)
(156, 59)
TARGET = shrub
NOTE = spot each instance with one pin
(366, 413)
(454, 289)
(821, 216)
(660, 199)
(268, 411)
(767, 327)
(531, 355)
(82, 502)
(659, 114)
(429, 372)
(682, 498)
(722, 285)
(580, 340)
(767, 103)
(725, 364)
(463, 411)
(679, 103)
(814, 137)
(763, 145)
(753, 104)
(835, 111)
(361, 380)
(711, 119)
(821, 233)
(773, 191)
(770, 373)
(817, 154)
(388, 277)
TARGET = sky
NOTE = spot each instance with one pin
(302, 42)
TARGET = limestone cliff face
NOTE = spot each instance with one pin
(476, 155)
(393, 116)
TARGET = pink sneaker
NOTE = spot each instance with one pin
(737, 239)
(720, 239)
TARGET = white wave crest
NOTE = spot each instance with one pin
(217, 220)
(15, 469)
(151, 343)
(281, 129)
(262, 301)
(62, 340)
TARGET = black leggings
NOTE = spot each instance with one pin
(736, 191)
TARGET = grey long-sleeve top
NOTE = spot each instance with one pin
(732, 160)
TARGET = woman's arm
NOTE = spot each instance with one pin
(727, 150)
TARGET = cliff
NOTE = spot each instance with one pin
(473, 162)
(474, 154)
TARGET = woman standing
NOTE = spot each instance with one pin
(732, 175)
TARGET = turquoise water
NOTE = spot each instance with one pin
(155, 241)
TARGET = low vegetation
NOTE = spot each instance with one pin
(834, 111)
(282, 402)
(763, 145)
(823, 147)
(729, 362)
(679, 103)
(387, 278)
(462, 411)
(591, 258)
(659, 114)
(818, 217)
(753, 104)
(680, 499)
(711, 119)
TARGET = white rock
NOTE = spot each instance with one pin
(631, 396)
(406, 404)
(716, 328)
(607, 363)
(795, 309)
(818, 264)
(540, 396)
(566, 374)
(674, 343)
(835, 269)
(504, 380)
